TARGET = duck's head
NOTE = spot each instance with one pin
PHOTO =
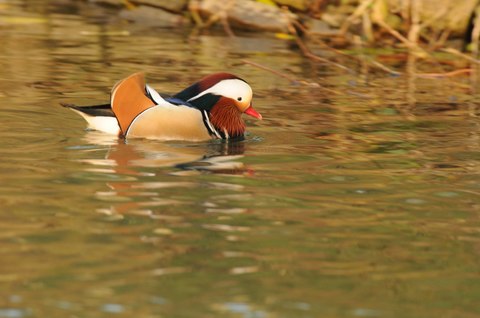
(224, 97)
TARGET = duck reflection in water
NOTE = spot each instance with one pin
(141, 170)
(218, 156)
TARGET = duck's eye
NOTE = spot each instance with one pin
(239, 99)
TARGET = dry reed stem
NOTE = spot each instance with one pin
(410, 42)
(447, 74)
(417, 26)
(221, 16)
(476, 33)
(385, 68)
(265, 68)
(411, 45)
(362, 7)
(376, 64)
(442, 39)
(413, 33)
(304, 48)
(460, 54)
(440, 15)
(367, 27)
(226, 26)
(289, 77)
(193, 9)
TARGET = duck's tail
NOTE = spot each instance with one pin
(129, 98)
(98, 117)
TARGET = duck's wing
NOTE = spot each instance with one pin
(130, 97)
(142, 112)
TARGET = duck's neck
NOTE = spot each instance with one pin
(227, 120)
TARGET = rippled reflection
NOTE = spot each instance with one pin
(212, 156)
(136, 168)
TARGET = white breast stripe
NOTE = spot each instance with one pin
(227, 136)
(155, 95)
(210, 125)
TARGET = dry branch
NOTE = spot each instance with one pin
(356, 14)
(411, 45)
(460, 54)
(476, 33)
(447, 74)
(304, 48)
(289, 77)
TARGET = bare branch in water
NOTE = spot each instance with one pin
(289, 77)
(362, 7)
(304, 48)
(411, 45)
(460, 54)
(476, 33)
(447, 74)
(221, 16)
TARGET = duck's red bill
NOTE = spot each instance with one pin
(252, 112)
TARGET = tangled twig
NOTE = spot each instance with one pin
(289, 77)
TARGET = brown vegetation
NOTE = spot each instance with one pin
(423, 28)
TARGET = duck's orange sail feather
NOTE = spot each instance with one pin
(128, 100)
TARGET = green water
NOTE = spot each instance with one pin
(358, 204)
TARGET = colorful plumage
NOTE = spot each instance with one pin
(209, 109)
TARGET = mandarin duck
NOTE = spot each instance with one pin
(209, 109)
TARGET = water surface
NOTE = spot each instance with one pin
(363, 203)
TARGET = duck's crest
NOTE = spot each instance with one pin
(204, 84)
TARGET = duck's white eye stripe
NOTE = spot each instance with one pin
(231, 88)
